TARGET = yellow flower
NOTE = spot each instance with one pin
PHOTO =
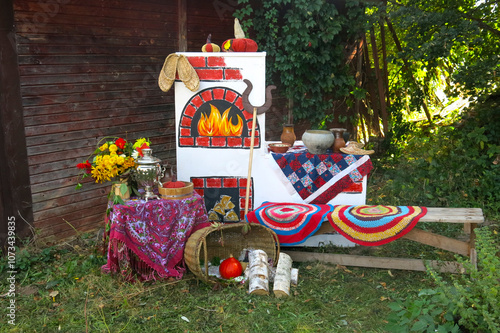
(113, 148)
(112, 160)
(103, 147)
(99, 174)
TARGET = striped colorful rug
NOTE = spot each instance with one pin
(374, 225)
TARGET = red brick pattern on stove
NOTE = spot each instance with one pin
(189, 139)
(214, 69)
(204, 185)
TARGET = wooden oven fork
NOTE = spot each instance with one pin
(256, 110)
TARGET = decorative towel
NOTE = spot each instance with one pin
(147, 238)
(293, 223)
(374, 225)
(318, 178)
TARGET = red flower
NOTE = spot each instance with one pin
(120, 143)
(85, 166)
(139, 149)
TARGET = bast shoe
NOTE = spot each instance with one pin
(167, 74)
(187, 74)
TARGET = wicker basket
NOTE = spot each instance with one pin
(233, 242)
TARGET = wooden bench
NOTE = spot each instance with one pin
(469, 217)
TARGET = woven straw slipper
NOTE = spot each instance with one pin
(353, 150)
(356, 144)
(187, 74)
(167, 74)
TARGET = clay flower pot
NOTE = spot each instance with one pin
(288, 134)
(339, 142)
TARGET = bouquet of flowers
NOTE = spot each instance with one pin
(112, 159)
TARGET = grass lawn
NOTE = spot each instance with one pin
(62, 289)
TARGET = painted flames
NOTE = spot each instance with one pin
(219, 125)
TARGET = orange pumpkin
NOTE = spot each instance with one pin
(230, 268)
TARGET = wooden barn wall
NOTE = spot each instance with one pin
(209, 17)
(89, 69)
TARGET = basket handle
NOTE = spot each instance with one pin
(206, 256)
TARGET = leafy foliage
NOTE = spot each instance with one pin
(459, 301)
(427, 313)
(305, 42)
(474, 296)
(458, 40)
(437, 52)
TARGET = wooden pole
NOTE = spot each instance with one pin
(182, 24)
(16, 203)
(250, 161)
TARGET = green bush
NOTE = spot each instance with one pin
(475, 297)
(469, 301)
(427, 313)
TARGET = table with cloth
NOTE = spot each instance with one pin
(318, 178)
(147, 238)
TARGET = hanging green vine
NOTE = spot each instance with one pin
(306, 42)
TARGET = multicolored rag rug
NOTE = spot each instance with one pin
(292, 222)
(374, 225)
(147, 238)
(318, 178)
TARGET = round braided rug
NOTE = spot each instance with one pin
(292, 222)
(374, 225)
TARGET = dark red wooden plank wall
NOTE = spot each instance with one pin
(89, 69)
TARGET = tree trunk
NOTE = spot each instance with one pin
(371, 91)
(380, 84)
(281, 285)
(359, 84)
(258, 273)
(384, 60)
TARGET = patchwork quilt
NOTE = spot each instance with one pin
(318, 178)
